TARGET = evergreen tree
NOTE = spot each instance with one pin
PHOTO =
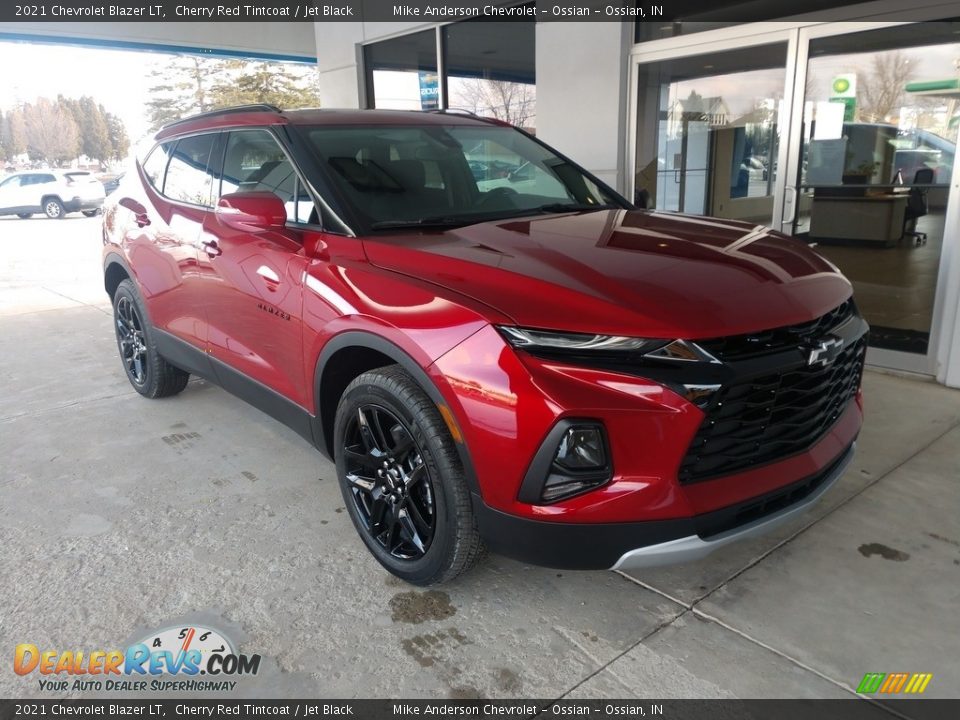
(192, 84)
(181, 87)
(119, 141)
(282, 84)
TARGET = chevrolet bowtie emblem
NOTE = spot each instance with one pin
(825, 352)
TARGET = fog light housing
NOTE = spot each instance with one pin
(573, 459)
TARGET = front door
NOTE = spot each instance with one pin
(254, 281)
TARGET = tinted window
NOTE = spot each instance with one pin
(461, 173)
(155, 165)
(254, 162)
(187, 176)
(15, 181)
(40, 179)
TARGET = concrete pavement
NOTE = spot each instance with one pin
(119, 516)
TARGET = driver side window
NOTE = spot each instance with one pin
(254, 162)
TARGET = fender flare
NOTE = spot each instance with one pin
(360, 338)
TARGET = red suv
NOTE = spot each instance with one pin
(525, 363)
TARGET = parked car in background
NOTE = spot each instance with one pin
(111, 182)
(51, 192)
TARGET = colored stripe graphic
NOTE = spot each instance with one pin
(871, 682)
(893, 683)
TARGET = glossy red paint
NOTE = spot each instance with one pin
(267, 298)
(251, 211)
(629, 273)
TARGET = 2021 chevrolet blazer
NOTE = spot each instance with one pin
(516, 360)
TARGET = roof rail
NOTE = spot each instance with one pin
(454, 111)
(225, 111)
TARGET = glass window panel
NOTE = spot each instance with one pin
(402, 72)
(187, 177)
(881, 113)
(491, 70)
(709, 133)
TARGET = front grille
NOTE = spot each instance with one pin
(762, 419)
(751, 345)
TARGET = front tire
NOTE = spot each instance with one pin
(147, 371)
(53, 208)
(402, 480)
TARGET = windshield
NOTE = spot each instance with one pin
(398, 176)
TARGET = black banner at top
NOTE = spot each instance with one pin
(425, 11)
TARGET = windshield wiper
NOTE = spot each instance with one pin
(450, 221)
(573, 207)
(429, 222)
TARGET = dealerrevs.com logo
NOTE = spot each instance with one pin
(154, 663)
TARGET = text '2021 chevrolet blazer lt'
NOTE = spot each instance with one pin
(496, 349)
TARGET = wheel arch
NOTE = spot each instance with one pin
(348, 355)
(115, 271)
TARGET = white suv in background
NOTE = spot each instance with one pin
(52, 192)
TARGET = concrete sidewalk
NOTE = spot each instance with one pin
(121, 515)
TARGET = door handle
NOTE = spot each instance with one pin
(141, 219)
(270, 278)
(211, 248)
(793, 205)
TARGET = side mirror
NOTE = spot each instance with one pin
(251, 211)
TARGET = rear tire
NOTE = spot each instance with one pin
(147, 371)
(90, 213)
(24, 216)
(53, 208)
(402, 481)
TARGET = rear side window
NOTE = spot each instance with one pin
(188, 179)
(254, 162)
(41, 179)
(155, 166)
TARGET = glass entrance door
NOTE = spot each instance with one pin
(841, 134)
(709, 132)
(874, 143)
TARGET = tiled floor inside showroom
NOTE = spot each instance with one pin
(120, 515)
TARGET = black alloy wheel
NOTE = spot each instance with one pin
(402, 480)
(390, 485)
(133, 346)
(148, 372)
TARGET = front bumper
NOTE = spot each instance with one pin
(624, 546)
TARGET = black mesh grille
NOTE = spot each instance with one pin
(741, 347)
(767, 418)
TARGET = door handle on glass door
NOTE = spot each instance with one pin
(792, 197)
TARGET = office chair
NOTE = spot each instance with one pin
(917, 205)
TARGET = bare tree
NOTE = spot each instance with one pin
(880, 91)
(511, 102)
(51, 132)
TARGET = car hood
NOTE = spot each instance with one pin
(624, 272)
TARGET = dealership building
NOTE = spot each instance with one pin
(839, 128)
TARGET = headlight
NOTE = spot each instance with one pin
(575, 342)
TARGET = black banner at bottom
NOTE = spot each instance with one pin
(852, 709)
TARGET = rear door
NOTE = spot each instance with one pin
(162, 229)
(254, 281)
